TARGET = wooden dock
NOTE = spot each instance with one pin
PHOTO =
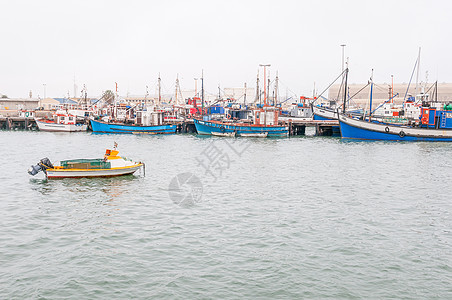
(183, 125)
(297, 126)
(18, 123)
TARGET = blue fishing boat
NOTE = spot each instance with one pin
(105, 127)
(245, 130)
(264, 124)
(435, 125)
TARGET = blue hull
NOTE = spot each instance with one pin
(352, 132)
(319, 118)
(206, 127)
(123, 128)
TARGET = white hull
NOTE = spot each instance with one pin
(259, 135)
(76, 173)
(44, 126)
(325, 113)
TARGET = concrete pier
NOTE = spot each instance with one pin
(296, 126)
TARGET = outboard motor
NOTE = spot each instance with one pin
(42, 165)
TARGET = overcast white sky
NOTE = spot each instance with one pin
(130, 42)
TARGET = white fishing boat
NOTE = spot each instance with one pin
(63, 122)
(108, 166)
(225, 134)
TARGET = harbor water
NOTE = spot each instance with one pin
(212, 217)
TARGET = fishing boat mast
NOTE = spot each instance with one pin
(258, 95)
(345, 90)
(202, 92)
(417, 73)
(436, 91)
(85, 95)
(115, 110)
(265, 82)
(392, 88)
(160, 90)
(313, 92)
(219, 92)
(371, 93)
(268, 90)
(176, 100)
(275, 98)
(244, 97)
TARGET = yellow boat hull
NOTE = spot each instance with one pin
(57, 173)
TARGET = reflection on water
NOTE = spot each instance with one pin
(110, 187)
(87, 208)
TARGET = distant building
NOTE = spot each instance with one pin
(55, 103)
(239, 94)
(18, 103)
(382, 92)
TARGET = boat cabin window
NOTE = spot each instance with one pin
(71, 118)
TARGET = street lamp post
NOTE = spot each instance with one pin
(343, 46)
(196, 86)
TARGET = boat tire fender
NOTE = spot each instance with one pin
(387, 129)
(222, 128)
(402, 134)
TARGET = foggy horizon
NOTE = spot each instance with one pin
(102, 42)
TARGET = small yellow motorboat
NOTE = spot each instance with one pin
(109, 166)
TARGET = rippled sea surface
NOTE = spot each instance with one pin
(305, 217)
